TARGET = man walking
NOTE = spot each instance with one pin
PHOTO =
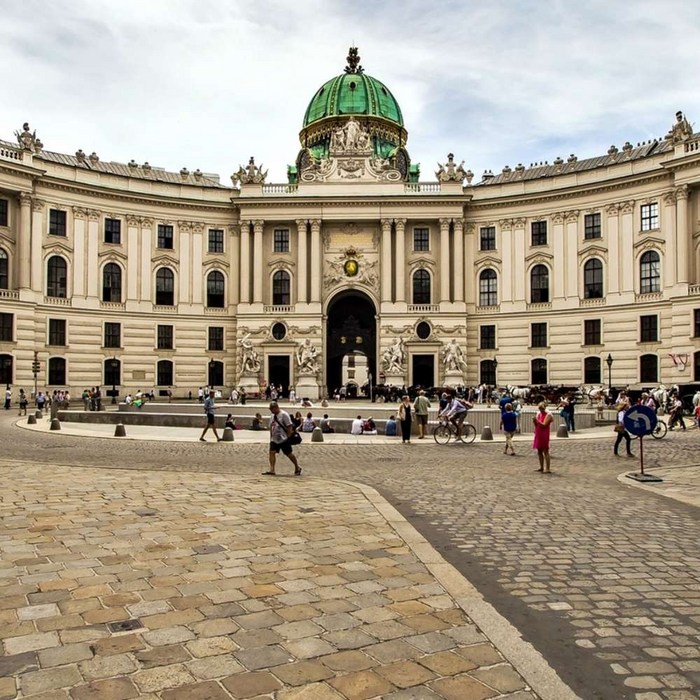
(211, 417)
(420, 408)
(281, 430)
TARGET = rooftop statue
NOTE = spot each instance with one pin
(351, 139)
(450, 171)
(250, 175)
(681, 130)
(27, 140)
(353, 60)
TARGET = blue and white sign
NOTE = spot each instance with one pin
(640, 420)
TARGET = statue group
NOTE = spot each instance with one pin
(249, 360)
(307, 358)
(394, 357)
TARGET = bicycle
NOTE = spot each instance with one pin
(659, 431)
(446, 430)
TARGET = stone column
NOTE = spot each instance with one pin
(199, 283)
(519, 248)
(189, 276)
(316, 271)
(258, 264)
(400, 259)
(626, 245)
(36, 275)
(614, 263)
(147, 271)
(245, 262)
(668, 222)
(444, 260)
(94, 281)
(80, 268)
(302, 272)
(557, 267)
(386, 275)
(234, 288)
(132, 270)
(506, 246)
(24, 241)
(570, 255)
(682, 234)
(458, 259)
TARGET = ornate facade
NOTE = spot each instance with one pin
(128, 275)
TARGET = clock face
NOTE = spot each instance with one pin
(350, 268)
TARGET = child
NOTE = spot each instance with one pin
(229, 422)
(509, 424)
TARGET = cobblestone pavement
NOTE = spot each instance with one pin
(601, 577)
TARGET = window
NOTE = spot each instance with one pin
(216, 240)
(592, 332)
(57, 274)
(593, 279)
(112, 283)
(421, 287)
(487, 238)
(650, 216)
(423, 330)
(112, 372)
(4, 270)
(57, 222)
(539, 232)
(4, 208)
(113, 335)
(165, 338)
(648, 369)
(592, 370)
(216, 338)
(215, 289)
(538, 371)
(538, 335)
(650, 272)
(696, 366)
(216, 373)
(591, 223)
(57, 331)
(649, 329)
(6, 366)
(487, 338)
(279, 331)
(164, 373)
(280, 288)
(696, 323)
(488, 288)
(165, 236)
(165, 287)
(421, 239)
(113, 231)
(6, 324)
(539, 284)
(57, 371)
(487, 372)
(281, 240)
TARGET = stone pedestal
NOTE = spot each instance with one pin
(307, 387)
(250, 383)
(454, 379)
(395, 379)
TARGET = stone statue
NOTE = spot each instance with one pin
(394, 357)
(681, 130)
(453, 357)
(27, 140)
(351, 139)
(307, 358)
(250, 175)
(450, 171)
(249, 358)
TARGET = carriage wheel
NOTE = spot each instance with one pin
(442, 434)
(660, 430)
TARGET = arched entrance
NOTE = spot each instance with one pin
(351, 331)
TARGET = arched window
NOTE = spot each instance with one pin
(488, 288)
(538, 372)
(57, 371)
(112, 283)
(421, 287)
(539, 284)
(650, 272)
(164, 373)
(281, 284)
(593, 279)
(112, 372)
(216, 288)
(57, 274)
(165, 287)
(4, 270)
(6, 362)
(592, 370)
(487, 372)
(216, 373)
(648, 369)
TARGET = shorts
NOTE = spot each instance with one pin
(421, 419)
(285, 447)
(211, 418)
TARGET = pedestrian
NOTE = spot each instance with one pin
(281, 439)
(297, 420)
(696, 412)
(541, 422)
(420, 407)
(257, 422)
(622, 433)
(22, 403)
(40, 401)
(509, 424)
(567, 412)
(405, 418)
(211, 417)
(676, 413)
(8, 398)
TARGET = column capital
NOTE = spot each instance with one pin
(24, 199)
(301, 223)
(681, 192)
(386, 225)
(315, 225)
(612, 209)
(79, 212)
(445, 224)
(627, 207)
(94, 214)
(458, 224)
(234, 229)
(400, 223)
(258, 225)
(132, 221)
(38, 204)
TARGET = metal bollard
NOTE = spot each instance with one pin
(120, 430)
(486, 433)
(317, 435)
(55, 424)
(562, 432)
(228, 435)
(31, 420)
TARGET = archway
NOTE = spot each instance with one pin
(351, 330)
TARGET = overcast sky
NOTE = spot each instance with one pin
(208, 83)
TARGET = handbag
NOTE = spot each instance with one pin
(294, 438)
(619, 428)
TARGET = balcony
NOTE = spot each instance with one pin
(278, 309)
(422, 188)
(494, 309)
(214, 310)
(541, 306)
(112, 305)
(597, 301)
(57, 301)
(9, 294)
(279, 189)
(162, 309)
(649, 296)
(423, 308)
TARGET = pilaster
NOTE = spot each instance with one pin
(258, 264)
(24, 241)
(400, 259)
(316, 272)
(682, 234)
(444, 260)
(245, 263)
(458, 260)
(302, 275)
(386, 276)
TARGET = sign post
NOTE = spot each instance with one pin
(640, 421)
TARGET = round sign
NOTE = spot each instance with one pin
(351, 268)
(640, 420)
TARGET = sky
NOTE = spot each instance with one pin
(208, 83)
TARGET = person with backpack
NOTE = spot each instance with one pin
(209, 407)
(282, 439)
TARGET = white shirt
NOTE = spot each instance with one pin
(356, 428)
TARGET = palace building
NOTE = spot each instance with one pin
(357, 267)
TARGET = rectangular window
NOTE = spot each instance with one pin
(216, 240)
(696, 323)
(113, 335)
(487, 338)
(165, 337)
(592, 332)
(421, 240)
(6, 323)
(165, 236)
(57, 331)
(649, 329)
(4, 208)
(591, 226)
(113, 231)
(539, 233)
(650, 216)
(281, 238)
(487, 238)
(57, 222)
(538, 335)
(216, 338)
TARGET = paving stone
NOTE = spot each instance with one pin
(263, 657)
(303, 672)
(59, 656)
(256, 638)
(109, 689)
(30, 642)
(197, 691)
(107, 666)
(314, 691)
(395, 650)
(418, 693)
(503, 678)
(349, 661)
(41, 681)
(214, 667)
(405, 674)
(163, 656)
(431, 642)
(35, 612)
(162, 678)
(348, 639)
(362, 685)
(480, 654)
(120, 644)
(211, 646)
(308, 648)
(17, 664)
(447, 663)
(643, 682)
(168, 635)
(258, 620)
(462, 688)
(250, 685)
(8, 688)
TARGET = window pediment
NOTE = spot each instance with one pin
(593, 251)
(539, 258)
(650, 243)
(281, 264)
(215, 265)
(112, 256)
(488, 261)
(165, 259)
(422, 262)
(57, 247)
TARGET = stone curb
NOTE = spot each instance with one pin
(676, 495)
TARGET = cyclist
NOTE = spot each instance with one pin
(456, 412)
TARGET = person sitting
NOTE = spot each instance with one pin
(229, 422)
(308, 424)
(297, 421)
(356, 428)
(305, 403)
(128, 400)
(369, 427)
(257, 423)
(326, 426)
(390, 428)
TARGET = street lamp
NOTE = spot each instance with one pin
(114, 364)
(495, 365)
(609, 361)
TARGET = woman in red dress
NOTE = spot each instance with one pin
(542, 422)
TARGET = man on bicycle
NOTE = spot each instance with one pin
(456, 412)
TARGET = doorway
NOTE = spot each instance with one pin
(424, 370)
(278, 372)
(6, 369)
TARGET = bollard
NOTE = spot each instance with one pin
(120, 430)
(38, 414)
(486, 433)
(228, 435)
(31, 420)
(562, 432)
(317, 435)
(55, 424)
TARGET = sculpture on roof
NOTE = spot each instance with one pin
(250, 175)
(353, 60)
(350, 139)
(681, 130)
(450, 171)
(27, 140)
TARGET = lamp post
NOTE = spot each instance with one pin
(609, 361)
(369, 379)
(114, 363)
(495, 366)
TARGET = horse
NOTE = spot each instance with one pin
(518, 392)
(594, 392)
